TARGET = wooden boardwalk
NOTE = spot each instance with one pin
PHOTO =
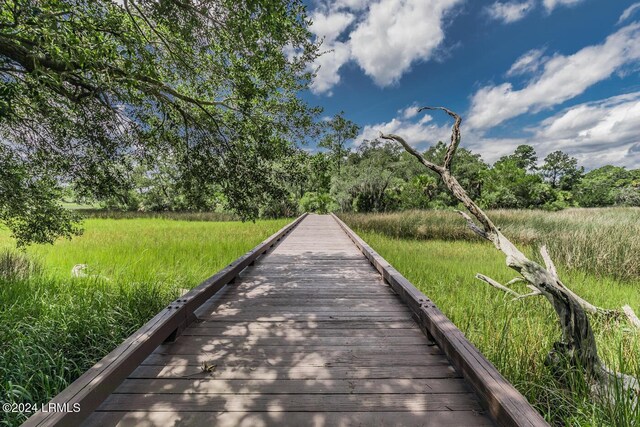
(311, 334)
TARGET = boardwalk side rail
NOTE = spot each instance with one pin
(505, 404)
(95, 385)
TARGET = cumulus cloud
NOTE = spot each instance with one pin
(330, 26)
(596, 133)
(528, 63)
(509, 12)
(388, 37)
(409, 112)
(562, 78)
(350, 4)
(628, 12)
(552, 4)
(397, 33)
(605, 131)
(601, 132)
(327, 67)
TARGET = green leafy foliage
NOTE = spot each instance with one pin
(320, 203)
(605, 185)
(337, 132)
(30, 206)
(92, 92)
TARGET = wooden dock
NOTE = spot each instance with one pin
(318, 331)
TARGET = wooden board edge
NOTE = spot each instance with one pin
(506, 405)
(96, 384)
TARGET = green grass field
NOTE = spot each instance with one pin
(517, 335)
(54, 327)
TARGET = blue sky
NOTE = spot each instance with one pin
(555, 74)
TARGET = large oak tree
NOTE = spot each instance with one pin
(89, 89)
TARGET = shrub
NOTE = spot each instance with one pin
(321, 203)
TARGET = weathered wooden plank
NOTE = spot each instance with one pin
(317, 276)
(260, 358)
(319, 290)
(506, 405)
(294, 419)
(296, 372)
(326, 386)
(309, 317)
(312, 260)
(311, 284)
(312, 268)
(206, 343)
(302, 325)
(312, 305)
(206, 329)
(295, 295)
(186, 347)
(300, 351)
(309, 311)
(291, 402)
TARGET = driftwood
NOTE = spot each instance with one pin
(578, 345)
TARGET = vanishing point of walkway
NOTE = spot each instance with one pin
(309, 335)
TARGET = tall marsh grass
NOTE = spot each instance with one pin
(436, 253)
(602, 241)
(54, 327)
(175, 215)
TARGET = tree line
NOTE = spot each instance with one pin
(378, 176)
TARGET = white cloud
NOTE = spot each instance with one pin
(397, 33)
(528, 63)
(415, 132)
(596, 133)
(350, 4)
(562, 78)
(388, 37)
(552, 4)
(606, 131)
(628, 12)
(409, 112)
(330, 26)
(509, 12)
(328, 68)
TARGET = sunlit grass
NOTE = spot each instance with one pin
(54, 327)
(602, 241)
(517, 335)
(177, 252)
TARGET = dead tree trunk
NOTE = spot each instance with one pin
(578, 345)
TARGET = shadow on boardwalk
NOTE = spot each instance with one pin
(310, 335)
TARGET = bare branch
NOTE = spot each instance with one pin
(472, 225)
(548, 262)
(497, 285)
(412, 151)
(532, 294)
(516, 280)
(631, 315)
(455, 135)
